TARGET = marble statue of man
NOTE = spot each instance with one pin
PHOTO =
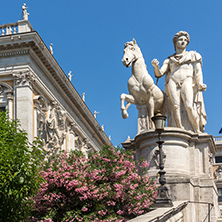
(51, 49)
(70, 75)
(24, 12)
(183, 86)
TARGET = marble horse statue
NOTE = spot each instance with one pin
(142, 90)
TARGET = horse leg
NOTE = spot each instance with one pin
(129, 99)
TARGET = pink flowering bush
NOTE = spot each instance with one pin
(104, 187)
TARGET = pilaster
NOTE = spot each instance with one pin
(24, 101)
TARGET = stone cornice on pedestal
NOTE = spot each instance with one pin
(32, 44)
(150, 136)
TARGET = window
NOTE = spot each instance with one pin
(219, 190)
(218, 159)
(2, 109)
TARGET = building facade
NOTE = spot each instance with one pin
(35, 90)
(217, 168)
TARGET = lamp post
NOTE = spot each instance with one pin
(162, 199)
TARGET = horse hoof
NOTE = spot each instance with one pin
(125, 114)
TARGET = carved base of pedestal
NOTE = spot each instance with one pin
(162, 199)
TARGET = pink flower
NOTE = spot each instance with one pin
(120, 212)
(84, 209)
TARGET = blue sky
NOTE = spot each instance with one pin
(88, 39)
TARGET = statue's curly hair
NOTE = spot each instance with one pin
(181, 33)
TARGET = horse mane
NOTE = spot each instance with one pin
(131, 43)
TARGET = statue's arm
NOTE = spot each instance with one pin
(199, 76)
(159, 72)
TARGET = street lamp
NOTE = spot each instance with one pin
(162, 199)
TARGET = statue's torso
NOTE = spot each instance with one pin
(179, 72)
(182, 67)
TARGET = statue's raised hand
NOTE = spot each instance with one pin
(155, 63)
(202, 87)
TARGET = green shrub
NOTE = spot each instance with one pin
(19, 174)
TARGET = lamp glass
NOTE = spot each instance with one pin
(159, 122)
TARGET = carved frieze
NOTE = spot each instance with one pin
(143, 124)
(52, 126)
(78, 142)
(86, 148)
(40, 103)
(218, 173)
(82, 144)
(143, 118)
(55, 127)
(51, 130)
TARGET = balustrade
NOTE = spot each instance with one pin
(8, 29)
(15, 28)
(217, 138)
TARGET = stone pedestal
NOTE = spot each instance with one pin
(24, 26)
(187, 162)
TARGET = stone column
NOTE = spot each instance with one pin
(9, 94)
(24, 101)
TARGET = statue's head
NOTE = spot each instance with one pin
(179, 34)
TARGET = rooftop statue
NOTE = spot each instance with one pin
(70, 75)
(95, 113)
(143, 92)
(24, 12)
(183, 86)
(84, 97)
(51, 49)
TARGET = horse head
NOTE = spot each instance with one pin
(131, 53)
